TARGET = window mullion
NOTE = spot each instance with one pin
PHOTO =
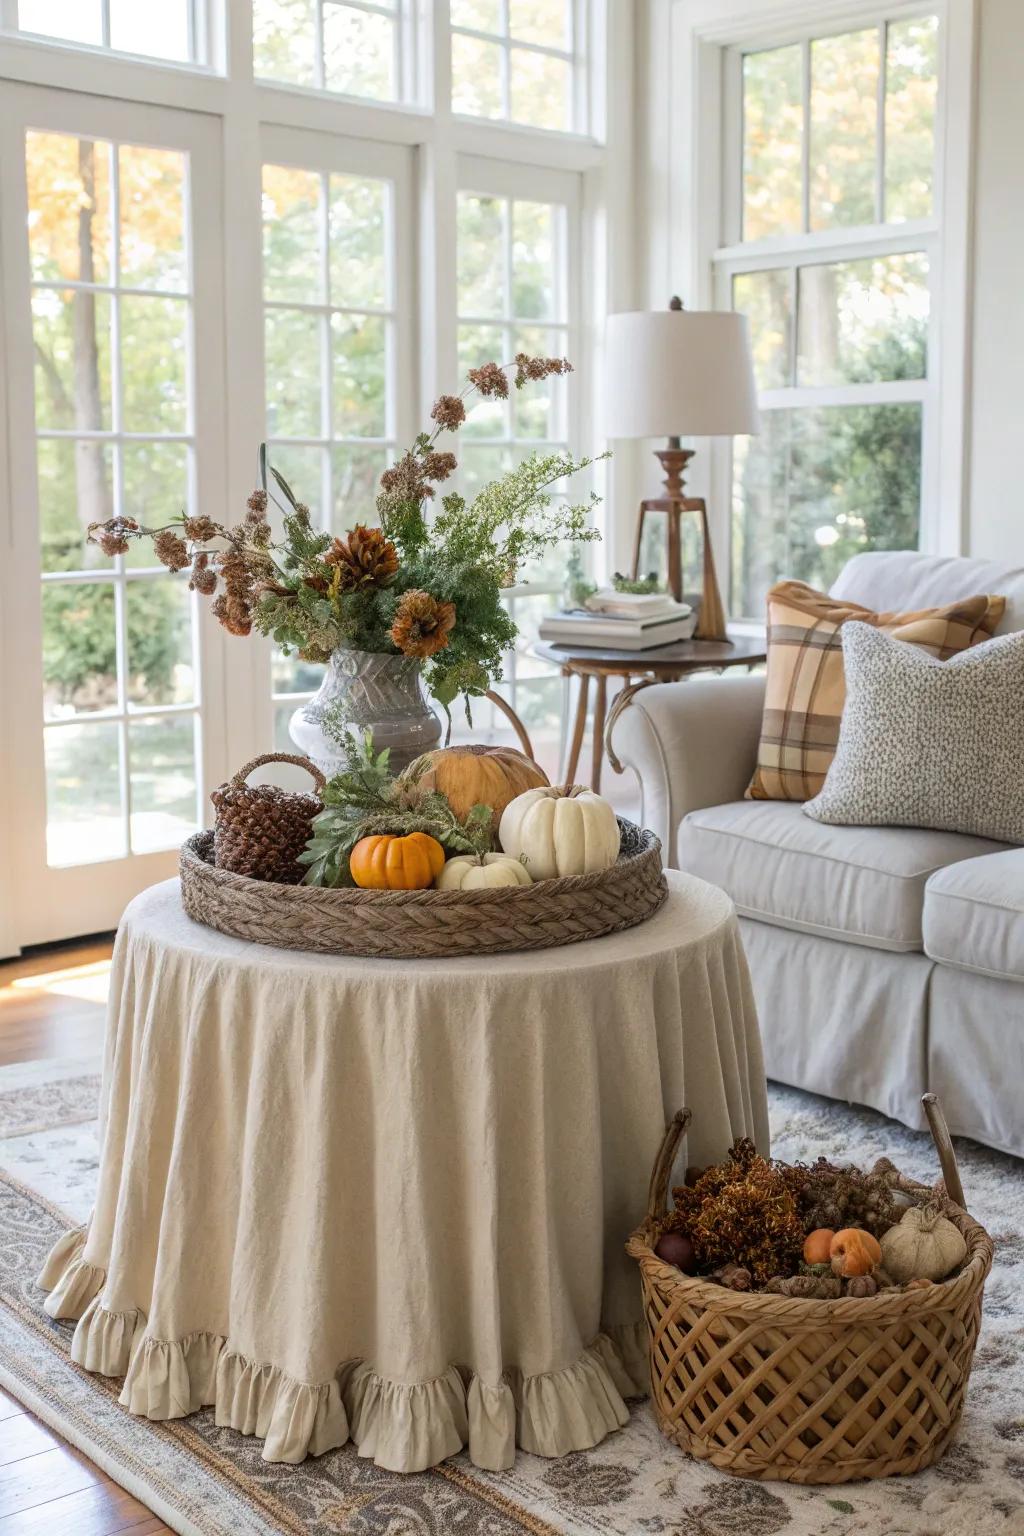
(805, 139)
(883, 38)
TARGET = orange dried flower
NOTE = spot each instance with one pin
(422, 624)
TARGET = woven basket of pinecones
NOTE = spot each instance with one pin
(261, 829)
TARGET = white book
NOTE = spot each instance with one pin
(636, 605)
(562, 631)
(612, 625)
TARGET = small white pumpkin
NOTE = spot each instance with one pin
(922, 1245)
(468, 872)
(559, 831)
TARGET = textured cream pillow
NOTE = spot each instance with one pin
(926, 743)
(805, 691)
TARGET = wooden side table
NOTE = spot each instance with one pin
(665, 664)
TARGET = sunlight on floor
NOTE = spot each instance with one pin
(90, 983)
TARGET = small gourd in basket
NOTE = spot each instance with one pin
(261, 829)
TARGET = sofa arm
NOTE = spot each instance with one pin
(690, 744)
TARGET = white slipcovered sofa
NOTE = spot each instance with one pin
(886, 961)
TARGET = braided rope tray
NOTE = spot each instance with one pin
(417, 925)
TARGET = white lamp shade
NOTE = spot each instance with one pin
(678, 372)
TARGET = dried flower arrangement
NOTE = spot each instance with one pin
(809, 1230)
(427, 588)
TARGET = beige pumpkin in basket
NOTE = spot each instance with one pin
(470, 872)
(476, 775)
(560, 831)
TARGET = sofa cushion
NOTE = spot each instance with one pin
(974, 915)
(863, 885)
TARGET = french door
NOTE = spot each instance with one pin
(113, 680)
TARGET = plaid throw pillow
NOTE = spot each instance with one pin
(806, 688)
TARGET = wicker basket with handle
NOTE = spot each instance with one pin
(260, 828)
(806, 1391)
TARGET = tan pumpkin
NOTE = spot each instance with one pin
(477, 775)
(467, 872)
(387, 863)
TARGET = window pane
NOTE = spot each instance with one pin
(540, 21)
(291, 235)
(534, 267)
(865, 320)
(476, 77)
(819, 486)
(151, 185)
(75, 21)
(766, 298)
(161, 31)
(911, 75)
(154, 364)
(68, 208)
(541, 90)
(83, 794)
(844, 117)
(71, 332)
(483, 15)
(162, 765)
(358, 242)
(541, 408)
(154, 490)
(359, 358)
(75, 489)
(79, 649)
(359, 52)
(772, 143)
(303, 468)
(481, 254)
(355, 482)
(481, 344)
(283, 40)
(158, 621)
(294, 388)
(479, 464)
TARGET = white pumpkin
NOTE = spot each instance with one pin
(560, 831)
(466, 872)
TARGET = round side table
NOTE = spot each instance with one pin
(388, 1200)
(665, 664)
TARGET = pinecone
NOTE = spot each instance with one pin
(261, 830)
(365, 559)
(422, 624)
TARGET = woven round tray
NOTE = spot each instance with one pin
(417, 925)
(810, 1391)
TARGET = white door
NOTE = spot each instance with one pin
(111, 681)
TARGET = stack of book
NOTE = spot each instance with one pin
(622, 621)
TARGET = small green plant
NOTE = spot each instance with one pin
(366, 799)
(636, 584)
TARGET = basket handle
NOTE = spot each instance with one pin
(944, 1146)
(279, 757)
(657, 1195)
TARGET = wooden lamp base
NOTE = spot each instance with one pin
(711, 624)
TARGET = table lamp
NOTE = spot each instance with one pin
(674, 373)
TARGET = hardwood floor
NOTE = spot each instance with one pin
(52, 1005)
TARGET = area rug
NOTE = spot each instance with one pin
(205, 1481)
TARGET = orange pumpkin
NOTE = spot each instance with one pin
(478, 775)
(389, 863)
(854, 1252)
(818, 1246)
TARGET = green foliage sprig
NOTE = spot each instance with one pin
(365, 800)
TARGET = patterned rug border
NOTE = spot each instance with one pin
(260, 1502)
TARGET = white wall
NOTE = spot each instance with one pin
(995, 522)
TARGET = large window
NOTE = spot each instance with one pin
(163, 30)
(354, 47)
(833, 256)
(111, 336)
(515, 59)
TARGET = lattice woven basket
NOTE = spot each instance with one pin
(418, 925)
(805, 1391)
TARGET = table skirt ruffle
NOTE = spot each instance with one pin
(403, 1426)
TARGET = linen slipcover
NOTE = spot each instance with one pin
(388, 1200)
(863, 885)
(974, 917)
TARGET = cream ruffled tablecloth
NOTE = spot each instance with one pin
(388, 1199)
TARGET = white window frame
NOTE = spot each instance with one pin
(198, 35)
(252, 113)
(574, 54)
(702, 221)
